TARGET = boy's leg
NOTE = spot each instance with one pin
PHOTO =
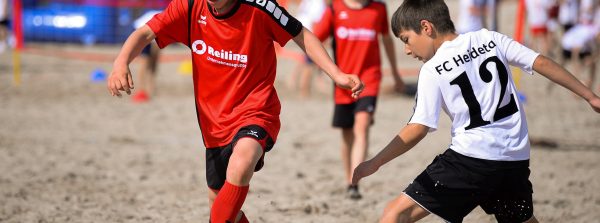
(363, 119)
(305, 80)
(361, 138)
(532, 220)
(343, 118)
(142, 94)
(591, 65)
(346, 150)
(306, 77)
(403, 209)
(246, 154)
(228, 202)
(152, 66)
(359, 149)
(212, 194)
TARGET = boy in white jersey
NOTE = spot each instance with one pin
(468, 77)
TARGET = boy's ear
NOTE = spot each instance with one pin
(426, 27)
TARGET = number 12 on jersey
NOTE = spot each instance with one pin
(469, 95)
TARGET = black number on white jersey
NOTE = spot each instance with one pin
(486, 76)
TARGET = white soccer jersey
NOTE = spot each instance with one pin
(469, 78)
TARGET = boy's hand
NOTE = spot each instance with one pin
(399, 87)
(363, 170)
(120, 80)
(351, 82)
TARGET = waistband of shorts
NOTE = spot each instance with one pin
(502, 164)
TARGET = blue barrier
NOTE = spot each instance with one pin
(84, 24)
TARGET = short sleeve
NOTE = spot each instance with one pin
(282, 25)
(171, 24)
(515, 53)
(428, 100)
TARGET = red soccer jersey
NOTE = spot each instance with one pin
(234, 62)
(356, 43)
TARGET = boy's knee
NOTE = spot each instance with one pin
(392, 213)
(402, 209)
(243, 160)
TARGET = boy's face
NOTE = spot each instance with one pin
(419, 46)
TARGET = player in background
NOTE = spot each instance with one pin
(357, 27)
(538, 18)
(580, 44)
(468, 77)
(568, 11)
(4, 20)
(148, 60)
(234, 66)
(309, 13)
(471, 15)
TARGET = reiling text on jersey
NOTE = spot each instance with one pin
(465, 58)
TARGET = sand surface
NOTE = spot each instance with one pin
(71, 153)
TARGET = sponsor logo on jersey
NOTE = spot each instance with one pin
(273, 9)
(202, 20)
(343, 15)
(355, 34)
(220, 56)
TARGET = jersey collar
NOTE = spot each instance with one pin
(234, 9)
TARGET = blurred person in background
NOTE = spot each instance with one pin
(148, 60)
(4, 21)
(471, 15)
(538, 18)
(357, 28)
(580, 44)
(309, 13)
(568, 13)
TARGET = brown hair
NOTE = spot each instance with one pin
(409, 15)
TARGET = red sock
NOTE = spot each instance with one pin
(228, 203)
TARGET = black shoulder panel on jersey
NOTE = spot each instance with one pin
(278, 14)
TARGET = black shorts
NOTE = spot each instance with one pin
(5, 23)
(307, 60)
(454, 184)
(343, 114)
(567, 54)
(217, 159)
(147, 50)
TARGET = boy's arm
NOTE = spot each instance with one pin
(561, 76)
(390, 51)
(312, 46)
(408, 137)
(120, 78)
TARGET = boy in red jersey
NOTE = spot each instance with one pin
(357, 26)
(234, 68)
